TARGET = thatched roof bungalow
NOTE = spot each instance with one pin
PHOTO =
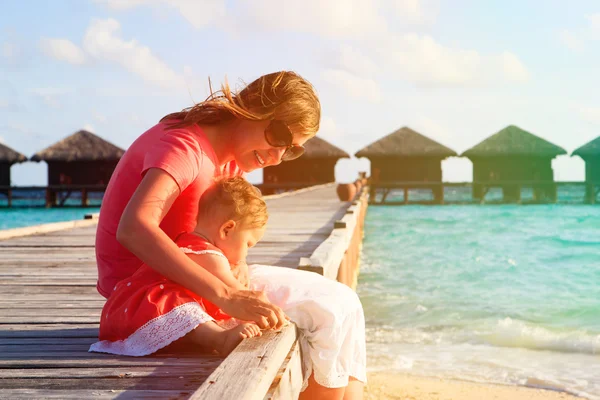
(315, 166)
(512, 155)
(406, 156)
(8, 157)
(590, 153)
(80, 159)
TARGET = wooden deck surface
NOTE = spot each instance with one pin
(49, 310)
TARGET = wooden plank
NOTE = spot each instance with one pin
(247, 373)
(288, 383)
(329, 254)
(78, 394)
(118, 372)
(23, 304)
(174, 383)
(191, 353)
(42, 341)
(45, 228)
(48, 330)
(41, 289)
(49, 319)
(47, 281)
(26, 313)
(9, 350)
(60, 361)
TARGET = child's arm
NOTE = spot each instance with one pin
(219, 267)
(240, 272)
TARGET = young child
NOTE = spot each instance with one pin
(147, 312)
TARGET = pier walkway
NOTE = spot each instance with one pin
(49, 312)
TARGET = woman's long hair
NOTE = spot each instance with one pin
(284, 96)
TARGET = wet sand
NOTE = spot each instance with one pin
(397, 386)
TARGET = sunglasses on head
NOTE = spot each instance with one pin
(278, 134)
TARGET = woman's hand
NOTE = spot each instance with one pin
(253, 305)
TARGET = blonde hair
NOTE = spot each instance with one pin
(240, 200)
(283, 96)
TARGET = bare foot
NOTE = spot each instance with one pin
(233, 337)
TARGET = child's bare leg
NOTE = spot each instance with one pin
(222, 340)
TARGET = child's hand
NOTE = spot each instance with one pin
(240, 271)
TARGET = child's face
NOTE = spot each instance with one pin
(238, 239)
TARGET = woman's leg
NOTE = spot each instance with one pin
(314, 391)
(354, 390)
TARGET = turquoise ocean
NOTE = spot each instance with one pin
(503, 294)
(21, 217)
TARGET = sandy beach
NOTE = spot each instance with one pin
(396, 386)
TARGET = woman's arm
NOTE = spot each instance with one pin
(219, 267)
(140, 233)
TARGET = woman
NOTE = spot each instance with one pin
(153, 194)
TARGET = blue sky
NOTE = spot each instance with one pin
(454, 70)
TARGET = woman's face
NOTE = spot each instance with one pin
(251, 150)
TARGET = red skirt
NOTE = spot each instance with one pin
(148, 312)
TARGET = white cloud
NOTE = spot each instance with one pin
(63, 50)
(590, 114)
(9, 106)
(571, 40)
(89, 128)
(2, 139)
(351, 59)
(331, 18)
(199, 13)
(51, 95)
(102, 42)
(9, 50)
(594, 21)
(415, 11)
(98, 117)
(577, 40)
(328, 129)
(422, 60)
(20, 130)
(355, 86)
(514, 70)
(430, 128)
(122, 4)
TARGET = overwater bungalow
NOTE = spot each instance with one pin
(8, 157)
(315, 166)
(590, 153)
(408, 157)
(513, 158)
(82, 161)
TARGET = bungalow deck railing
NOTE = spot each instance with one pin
(484, 192)
(71, 195)
(91, 195)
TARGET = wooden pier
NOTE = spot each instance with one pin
(382, 193)
(49, 312)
